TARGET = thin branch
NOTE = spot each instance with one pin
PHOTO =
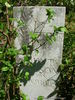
(6, 36)
(39, 32)
(8, 93)
(7, 17)
(39, 46)
(43, 42)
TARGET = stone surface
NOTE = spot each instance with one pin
(42, 81)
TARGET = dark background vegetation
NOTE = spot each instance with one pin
(66, 81)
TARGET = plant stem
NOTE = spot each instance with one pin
(8, 93)
(7, 17)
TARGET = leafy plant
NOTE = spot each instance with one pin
(50, 14)
(66, 80)
(33, 36)
(9, 68)
(10, 75)
(40, 98)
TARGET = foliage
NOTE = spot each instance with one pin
(33, 36)
(10, 73)
(9, 77)
(66, 81)
(50, 14)
(24, 97)
(69, 4)
(40, 98)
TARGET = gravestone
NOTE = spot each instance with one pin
(42, 82)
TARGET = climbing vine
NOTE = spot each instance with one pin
(10, 74)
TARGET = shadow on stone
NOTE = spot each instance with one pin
(56, 90)
(63, 89)
(36, 66)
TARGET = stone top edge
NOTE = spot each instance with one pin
(42, 6)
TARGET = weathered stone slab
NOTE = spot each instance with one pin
(42, 82)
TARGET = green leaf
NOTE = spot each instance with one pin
(26, 58)
(7, 4)
(5, 69)
(0, 11)
(63, 29)
(7, 63)
(62, 67)
(73, 53)
(3, 1)
(1, 52)
(1, 26)
(33, 35)
(13, 19)
(54, 38)
(67, 61)
(12, 52)
(50, 14)
(2, 92)
(25, 48)
(27, 75)
(40, 98)
(48, 38)
(55, 29)
(24, 96)
(64, 75)
(20, 23)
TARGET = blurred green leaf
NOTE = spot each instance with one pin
(1, 26)
(40, 98)
(25, 48)
(73, 53)
(67, 61)
(63, 29)
(5, 69)
(12, 52)
(24, 96)
(20, 23)
(26, 58)
(7, 4)
(27, 75)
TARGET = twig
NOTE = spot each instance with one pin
(39, 32)
(7, 17)
(39, 46)
(6, 36)
(8, 93)
(43, 42)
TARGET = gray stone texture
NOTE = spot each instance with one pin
(42, 82)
